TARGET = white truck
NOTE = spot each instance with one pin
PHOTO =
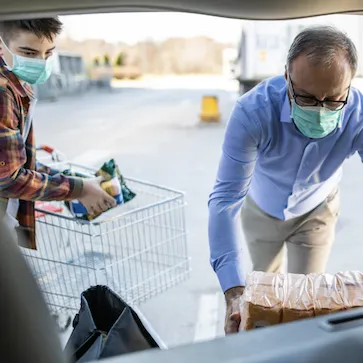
(263, 46)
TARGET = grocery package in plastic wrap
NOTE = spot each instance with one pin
(271, 298)
(111, 170)
(113, 184)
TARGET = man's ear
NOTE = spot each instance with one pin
(287, 83)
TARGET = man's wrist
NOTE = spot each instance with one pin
(234, 293)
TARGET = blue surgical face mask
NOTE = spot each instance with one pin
(31, 70)
(315, 122)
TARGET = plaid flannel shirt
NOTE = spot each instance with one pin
(20, 176)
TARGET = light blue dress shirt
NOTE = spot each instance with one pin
(284, 172)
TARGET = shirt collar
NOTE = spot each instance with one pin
(22, 89)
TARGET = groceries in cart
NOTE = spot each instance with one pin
(271, 298)
(106, 326)
(114, 184)
(110, 170)
(73, 255)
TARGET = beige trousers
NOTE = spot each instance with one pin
(308, 238)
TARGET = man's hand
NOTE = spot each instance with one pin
(94, 198)
(233, 314)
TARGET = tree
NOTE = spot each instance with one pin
(120, 60)
(96, 62)
(106, 59)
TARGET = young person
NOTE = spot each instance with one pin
(26, 58)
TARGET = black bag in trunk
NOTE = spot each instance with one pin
(106, 327)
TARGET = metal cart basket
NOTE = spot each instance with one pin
(138, 249)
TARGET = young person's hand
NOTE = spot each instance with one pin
(94, 198)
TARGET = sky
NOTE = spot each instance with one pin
(133, 27)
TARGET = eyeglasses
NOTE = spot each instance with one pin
(306, 101)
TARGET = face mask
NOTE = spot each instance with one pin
(315, 122)
(31, 70)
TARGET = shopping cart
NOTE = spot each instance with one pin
(138, 249)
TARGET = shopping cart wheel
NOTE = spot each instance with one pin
(63, 322)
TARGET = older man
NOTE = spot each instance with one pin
(284, 147)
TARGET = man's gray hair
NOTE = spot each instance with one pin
(321, 45)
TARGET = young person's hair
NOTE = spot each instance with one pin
(42, 28)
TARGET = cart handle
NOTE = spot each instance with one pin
(45, 148)
(56, 155)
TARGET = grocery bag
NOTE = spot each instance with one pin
(106, 326)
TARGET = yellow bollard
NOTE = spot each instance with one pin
(210, 109)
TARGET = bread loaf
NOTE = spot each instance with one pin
(262, 304)
(271, 299)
